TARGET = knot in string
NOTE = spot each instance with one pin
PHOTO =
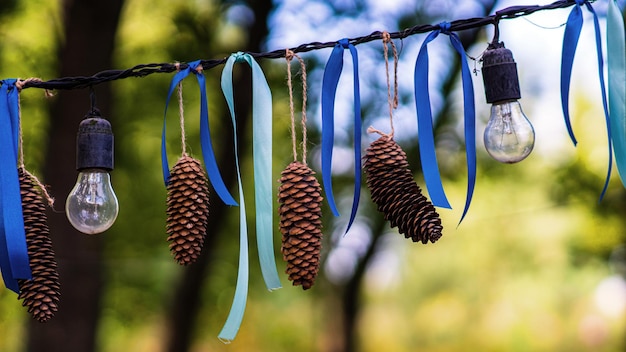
(444, 27)
(345, 43)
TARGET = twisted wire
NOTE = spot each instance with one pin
(142, 70)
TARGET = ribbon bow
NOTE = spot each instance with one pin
(570, 41)
(262, 155)
(14, 261)
(332, 71)
(426, 138)
(205, 134)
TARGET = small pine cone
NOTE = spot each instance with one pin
(41, 293)
(397, 195)
(300, 198)
(187, 209)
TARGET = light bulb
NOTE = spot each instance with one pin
(509, 136)
(92, 206)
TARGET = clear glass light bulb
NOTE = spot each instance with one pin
(509, 136)
(92, 206)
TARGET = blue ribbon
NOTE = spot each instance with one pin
(616, 62)
(262, 160)
(573, 28)
(426, 139)
(205, 134)
(330, 80)
(14, 261)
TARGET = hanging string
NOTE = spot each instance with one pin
(393, 103)
(181, 112)
(19, 84)
(289, 55)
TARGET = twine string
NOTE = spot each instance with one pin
(393, 102)
(181, 113)
(19, 84)
(289, 55)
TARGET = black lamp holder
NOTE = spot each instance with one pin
(500, 74)
(94, 143)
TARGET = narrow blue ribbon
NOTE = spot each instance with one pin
(426, 139)
(616, 62)
(14, 261)
(262, 160)
(332, 72)
(571, 35)
(205, 134)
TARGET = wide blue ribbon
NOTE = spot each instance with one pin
(14, 261)
(262, 160)
(426, 139)
(616, 62)
(571, 35)
(205, 134)
(333, 69)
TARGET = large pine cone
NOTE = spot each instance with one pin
(41, 293)
(300, 198)
(397, 195)
(187, 209)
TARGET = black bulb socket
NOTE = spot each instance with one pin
(94, 143)
(500, 74)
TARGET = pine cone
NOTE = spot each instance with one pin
(299, 196)
(41, 293)
(187, 209)
(397, 195)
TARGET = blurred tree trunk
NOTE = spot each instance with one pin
(185, 305)
(87, 46)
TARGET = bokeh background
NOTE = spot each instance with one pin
(537, 265)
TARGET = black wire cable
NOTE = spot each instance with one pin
(142, 70)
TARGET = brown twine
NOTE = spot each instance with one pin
(289, 55)
(19, 84)
(371, 129)
(393, 103)
(181, 112)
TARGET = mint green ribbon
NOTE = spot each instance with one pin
(616, 62)
(262, 160)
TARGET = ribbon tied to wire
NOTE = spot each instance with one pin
(570, 41)
(330, 80)
(14, 261)
(208, 155)
(426, 139)
(262, 161)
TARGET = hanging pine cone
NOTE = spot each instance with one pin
(187, 209)
(397, 195)
(41, 293)
(299, 196)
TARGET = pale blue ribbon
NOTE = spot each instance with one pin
(262, 155)
(14, 261)
(616, 62)
(573, 28)
(332, 71)
(426, 139)
(205, 134)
